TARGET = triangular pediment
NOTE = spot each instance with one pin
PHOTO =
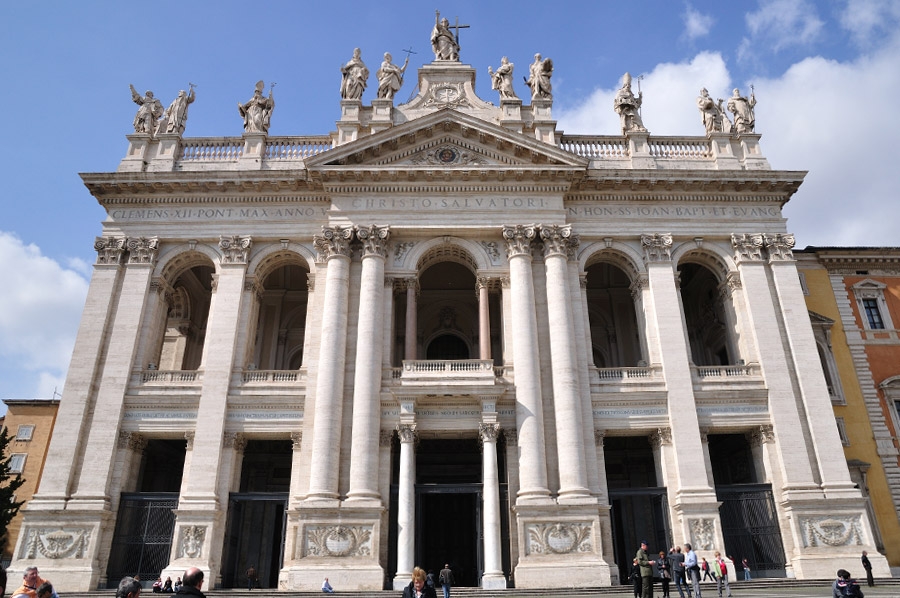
(447, 139)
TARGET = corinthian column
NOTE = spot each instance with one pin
(529, 410)
(334, 244)
(493, 564)
(369, 346)
(484, 318)
(558, 243)
(406, 506)
(412, 330)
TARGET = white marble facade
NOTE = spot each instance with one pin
(262, 287)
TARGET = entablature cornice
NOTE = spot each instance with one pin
(769, 185)
(170, 200)
(193, 185)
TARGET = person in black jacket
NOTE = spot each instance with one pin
(192, 581)
(417, 587)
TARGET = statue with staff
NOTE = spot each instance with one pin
(444, 44)
(176, 113)
(147, 117)
(257, 111)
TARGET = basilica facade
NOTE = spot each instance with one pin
(444, 333)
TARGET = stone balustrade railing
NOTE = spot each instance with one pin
(296, 148)
(272, 376)
(595, 147)
(211, 149)
(725, 371)
(623, 374)
(680, 148)
(152, 376)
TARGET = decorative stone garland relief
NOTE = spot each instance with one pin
(339, 540)
(56, 543)
(559, 538)
(831, 531)
(703, 533)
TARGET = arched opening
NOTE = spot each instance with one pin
(447, 346)
(615, 340)
(447, 323)
(281, 320)
(704, 315)
(187, 312)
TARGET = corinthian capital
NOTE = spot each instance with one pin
(779, 247)
(747, 248)
(489, 432)
(374, 239)
(657, 247)
(109, 249)
(235, 249)
(334, 241)
(518, 239)
(559, 240)
(142, 250)
(406, 432)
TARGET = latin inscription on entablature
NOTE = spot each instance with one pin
(143, 415)
(238, 213)
(442, 204)
(711, 213)
(625, 413)
(264, 415)
(732, 410)
(462, 413)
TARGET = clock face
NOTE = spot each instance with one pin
(446, 94)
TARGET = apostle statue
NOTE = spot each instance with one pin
(502, 79)
(390, 77)
(257, 111)
(742, 109)
(176, 113)
(627, 106)
(538, 80)
(147, 117)
(443, 42)
(354, 79)
(711, 113)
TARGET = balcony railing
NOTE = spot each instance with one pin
(168, 377)
(272, 376)
(703, 372)
(448, 371)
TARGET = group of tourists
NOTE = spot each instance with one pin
(684, 568)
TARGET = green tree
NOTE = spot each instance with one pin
(9, 484)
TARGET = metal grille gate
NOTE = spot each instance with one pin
(142, 541)
(750, 528)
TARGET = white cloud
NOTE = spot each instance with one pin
(696, 24)
(40, 307)
(868, 19)
(835, 119)
(780, 24)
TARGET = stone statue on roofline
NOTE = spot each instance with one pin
(627, 106)
(711, 113)
(742, 109)
(147, 118)
(443, 42)
(355, 75)
(538, 80)
(390, 77)
(502, 79)
(257, 111)
(176, 113)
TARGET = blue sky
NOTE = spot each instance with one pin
(826, 75)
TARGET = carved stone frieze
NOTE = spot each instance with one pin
(493, 250)
(296, 440)
(407, 432)
(448, 155)
(234, 440)
(829, 530)
(401, 249)
(334, 241)
(339, 540)
(640, 282)
(190, 541)
(235, 248)
(747, 247)
(110, 250)
(142, 250)
(488, 432)
(558, 240)
(559, 538)
(518, 239)
(657, 247)
(703, 534)
(374, 239)
(780, 247)
(55, 543)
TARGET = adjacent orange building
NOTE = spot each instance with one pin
(29, 423)
(853, 294)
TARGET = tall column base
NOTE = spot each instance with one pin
(197, 542)
(64, 545)
(340, 543)
(561, 546)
